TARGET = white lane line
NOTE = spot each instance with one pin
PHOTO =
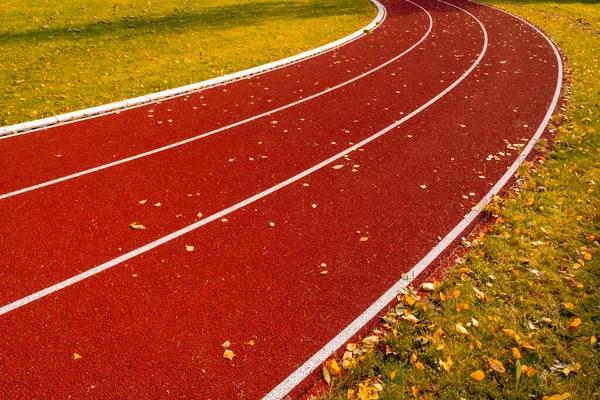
(134, 253)
(144, 100)
(224, 128)
(349, 331)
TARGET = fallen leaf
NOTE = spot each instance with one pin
(363, 239)
(527, 346)
(448, 364)
(226, 344)
(333, 368)
(76, 356)
(516, 353)
(568, 305)
(557, 396)
(479, 294)
(419, 366)
(497, 365)
(461, 329)
(189, 248)
(593, 340)
(228, 354)
(143, 201)
(338, 166)
(157, 204)
(415, 391)
(199, 215)
(137, 226)
(326, 375)
(250, 343)
(575, 323)
(478, 375)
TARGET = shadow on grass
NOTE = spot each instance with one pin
(181, 21)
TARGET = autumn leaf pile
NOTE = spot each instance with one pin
(518, 316)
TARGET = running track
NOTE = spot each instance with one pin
(448, 86)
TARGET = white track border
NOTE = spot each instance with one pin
(288, 384)
(25, 127)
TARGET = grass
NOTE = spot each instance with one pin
(58, 56)
(518, 316)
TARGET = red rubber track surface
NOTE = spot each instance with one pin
(153, 326)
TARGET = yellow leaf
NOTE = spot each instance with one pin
(456, 293)
(568, 305)
(324, 272)
(438, 334)
(363, 238)
(226, 344)
(497, 365)
(575, 323)
(530, 372)
(337, 166)
(189, 248)
(392, 375)
(409, 299)
(413, 357)
(228, 354)
(76, 356)
(478, 375)
(333, 367)
(593, 340)
(326, 376)
(136, 226)
(447, 365)
(509, 332)
(557, 396)
(142, 201)
(437, 286)
(527, 346)
(516, 353)
(419, 366)
(351, 346)
(415, 391)
(461, 329)
(250, 343)
(157, 204)
(410, 318)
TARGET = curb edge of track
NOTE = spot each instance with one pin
(24, 127)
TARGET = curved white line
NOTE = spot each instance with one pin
(224, 128)
(62, 119)
(349, 331)
(134, 253)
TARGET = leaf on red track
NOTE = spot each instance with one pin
(228, 354)
(338, 166)
(189, 248)
(77, 356)
(226, 344)
(136, 226)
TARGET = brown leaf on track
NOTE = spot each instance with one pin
(137, 226)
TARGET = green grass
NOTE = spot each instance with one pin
(58, 56)
(536, 265)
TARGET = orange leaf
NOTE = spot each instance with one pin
(478, 375)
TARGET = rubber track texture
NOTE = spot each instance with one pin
(153, 326)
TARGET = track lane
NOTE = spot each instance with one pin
(266, 265)
(68, 149)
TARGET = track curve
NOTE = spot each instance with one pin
(152, 325)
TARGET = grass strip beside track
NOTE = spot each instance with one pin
(60, 57)
(530, 329)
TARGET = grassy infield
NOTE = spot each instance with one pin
(528, 331)
(58, 56)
